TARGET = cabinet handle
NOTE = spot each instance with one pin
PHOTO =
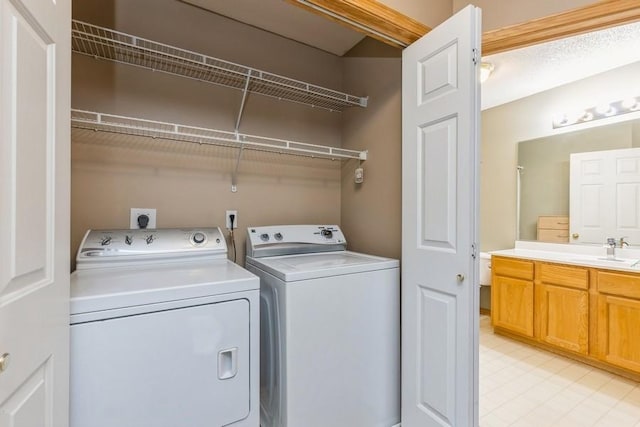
(575, 235)
(460, 277)
(4, 362)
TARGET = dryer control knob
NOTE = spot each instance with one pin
(198, 238)
(264, 237)
(278, 236)
(327, 233)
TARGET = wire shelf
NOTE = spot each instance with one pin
(176, 132)
(104, 43)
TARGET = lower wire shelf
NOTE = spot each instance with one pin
(176, 132)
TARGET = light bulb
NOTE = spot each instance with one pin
(486, 68)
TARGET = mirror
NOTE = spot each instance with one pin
(544, 175)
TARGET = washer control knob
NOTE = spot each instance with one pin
(264, 237)
(278, 236)
(106, 240)
(150, 238)
(128, 240)
(198, 238)
(326, 233)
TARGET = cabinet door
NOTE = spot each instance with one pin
(512, 304)
(563, 315)
(618, 331)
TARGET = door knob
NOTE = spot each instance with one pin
(460, 277)
(4, 362)
(575, 235)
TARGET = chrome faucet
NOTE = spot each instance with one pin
(611, 248)
(623, 242)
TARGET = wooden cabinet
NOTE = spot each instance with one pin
(587, 313)
(562, 306)
(553, 229)
(512, 295)
(618, 319)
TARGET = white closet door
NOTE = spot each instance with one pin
(440, 108)
(35, 49)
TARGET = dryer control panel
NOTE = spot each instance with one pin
(102, 248)
(294, 239)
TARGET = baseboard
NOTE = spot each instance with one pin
(486, 311)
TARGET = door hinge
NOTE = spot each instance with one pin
(474, 251)
(475, 56)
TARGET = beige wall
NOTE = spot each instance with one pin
(529, 118)
(371, 211)
(188, 184)
(429, 12)
(501, 13)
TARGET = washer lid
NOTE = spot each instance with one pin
(291, 268)
(111, 288)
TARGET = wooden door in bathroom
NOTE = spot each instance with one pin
(441, 109)
(35, 74)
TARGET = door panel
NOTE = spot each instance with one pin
(437, 150)
(439, 225)
(564, 317)
(512, 306)
(30, 404)
(618, 331)
(34, 219)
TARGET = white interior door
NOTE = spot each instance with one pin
(440, 109)
(34, 212)
(605, 196)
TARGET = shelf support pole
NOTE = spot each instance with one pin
(234, 174)
(244, 99)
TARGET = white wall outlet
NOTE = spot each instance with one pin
(228, 219)
(137, 212)
(359, 176)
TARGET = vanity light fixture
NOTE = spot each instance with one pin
(486, 68)
(602, 111)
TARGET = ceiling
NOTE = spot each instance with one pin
(524, 72)
(517, 73)
(280, 17)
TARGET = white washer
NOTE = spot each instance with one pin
(164, 331)
(330, 329)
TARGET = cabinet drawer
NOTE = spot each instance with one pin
(626, 285)
(554, 236)
(512, 268)
(562, 275)
(554, 222)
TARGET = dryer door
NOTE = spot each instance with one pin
(181, 367)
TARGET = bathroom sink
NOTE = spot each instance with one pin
(602, 261)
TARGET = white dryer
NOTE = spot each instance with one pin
(330, 329)
(164, 332)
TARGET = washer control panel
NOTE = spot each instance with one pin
(100, 247)
(281, 239)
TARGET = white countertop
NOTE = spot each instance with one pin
(585, 256)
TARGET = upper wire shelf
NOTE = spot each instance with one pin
(176, 132)
(99, 42)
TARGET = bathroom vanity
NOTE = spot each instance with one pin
(584, 307)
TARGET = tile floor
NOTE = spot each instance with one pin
(523, 386)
